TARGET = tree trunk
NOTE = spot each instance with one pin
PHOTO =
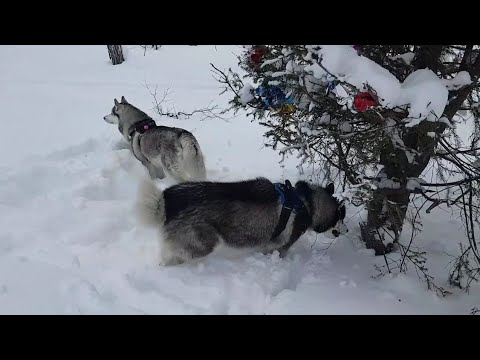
(386, 215)
(387, 208)
(116, 54)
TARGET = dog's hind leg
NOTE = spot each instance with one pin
(194, 242)
(182, 169)
(204, 241)
(180, 176)
(192, 158)
(168, 258)
(177, 172)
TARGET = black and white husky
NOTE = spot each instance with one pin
(160, 148)
(196, 217)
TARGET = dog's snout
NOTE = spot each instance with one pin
(335, 233)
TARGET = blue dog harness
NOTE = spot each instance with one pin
(290, 202)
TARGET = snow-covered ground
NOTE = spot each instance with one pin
(70, 244)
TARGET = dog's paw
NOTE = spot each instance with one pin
(282, 253)
(171, 261)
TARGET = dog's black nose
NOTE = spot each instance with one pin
(335, 233)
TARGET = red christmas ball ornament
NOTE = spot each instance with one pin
(256, 55)
(364, 101)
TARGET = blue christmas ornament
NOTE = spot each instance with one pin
(273, 96)
(260, 90)
(331, 86)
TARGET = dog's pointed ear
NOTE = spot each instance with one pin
(124, 101)
(115, 102)
(330, 189)
(303, 188)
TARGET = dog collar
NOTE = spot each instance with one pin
(142, 126)
(290, 202)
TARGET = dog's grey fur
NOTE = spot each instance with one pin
(197, 217)
(160, 149)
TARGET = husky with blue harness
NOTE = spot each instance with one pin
(195, 218)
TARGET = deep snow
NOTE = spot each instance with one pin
(70, 244)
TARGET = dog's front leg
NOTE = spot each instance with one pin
(155, 172)
(274, 245)
(284, 249)
(160, 173)
(152, 171)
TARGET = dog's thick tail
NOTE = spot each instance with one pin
(193, 157)
(150, 204)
